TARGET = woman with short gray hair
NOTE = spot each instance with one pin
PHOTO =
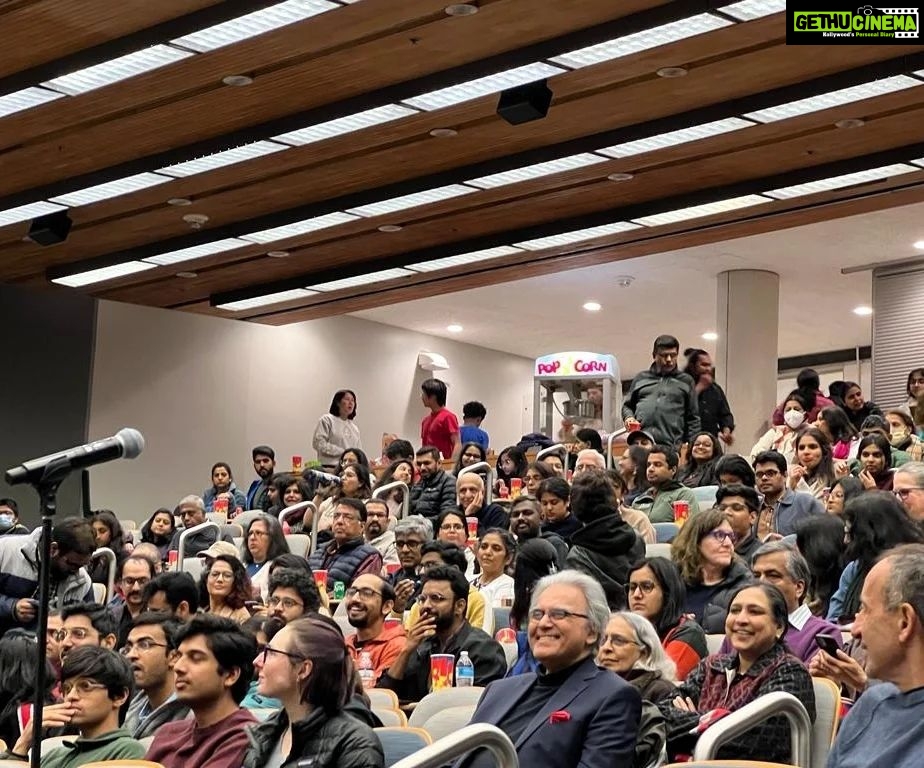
(632, 649)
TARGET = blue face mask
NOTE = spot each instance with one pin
(6, 523)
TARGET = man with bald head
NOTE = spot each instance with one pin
(470, 495)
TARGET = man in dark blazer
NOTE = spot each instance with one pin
(573, 713)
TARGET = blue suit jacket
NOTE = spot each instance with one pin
(601, 732)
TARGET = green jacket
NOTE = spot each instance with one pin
(114, 745)
(657, 504)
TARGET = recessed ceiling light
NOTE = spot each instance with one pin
(671, 72)
(919, 245)
(461, 9)
(454, 328)
(237, 81)
(444, 133)
(278, 254)
(390, 228)
(850, 122)
(710, 336)
(621, 176)
(863, 311)
(592, 306)
(187, 275)
(179, 201)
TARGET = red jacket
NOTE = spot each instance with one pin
(384, 649)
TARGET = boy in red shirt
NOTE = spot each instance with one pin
(440, 428)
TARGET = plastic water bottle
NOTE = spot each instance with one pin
(366, 670)
(465, 671)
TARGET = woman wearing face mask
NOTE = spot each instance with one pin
(808, 387)
(9, 519)
(783, 438)
(813, 470)
(876, 463)
(902, 435)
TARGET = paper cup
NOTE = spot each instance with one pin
(297, 464)
(472, 523)
(681, 511)
(392, 568)
(320, 578)
(173, 557)
(506, 635)
(441, 669)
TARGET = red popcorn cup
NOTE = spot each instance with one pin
(472, 523)
(220, 505)
(297, 464)
(392, 568)
(681, 511)
(506, 635)
(441, 669)
(173, 557)
(516, 487)
(320, 578)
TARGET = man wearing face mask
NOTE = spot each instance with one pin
(9, 519)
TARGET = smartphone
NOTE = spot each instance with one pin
(828, 644)
(253, 606)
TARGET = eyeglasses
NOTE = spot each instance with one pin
(646, 587)
(733, 506)
(407, 543)
(903, 493)
(268, 650)
(78, 634)
(432, 599)
(349, 516)
(144, 644)
(221, 576)
(261, 534)
(767, 474)
(129, 582)
(555, 614)
(286, 602)
(721, 536)
(452, 527)
(618, 641)
(83, 687)
(366, 593)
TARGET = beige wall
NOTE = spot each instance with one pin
(203, 389)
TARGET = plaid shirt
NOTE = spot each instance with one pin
(716, 683)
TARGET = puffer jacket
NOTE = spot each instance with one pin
(338, 741)
(606, 549)
(716, 609)
(666, 404)
(434, 495)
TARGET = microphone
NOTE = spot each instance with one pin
(127, 443)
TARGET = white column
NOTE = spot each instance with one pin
(747, 322)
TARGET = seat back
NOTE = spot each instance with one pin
(827, 718)
(398, 743)
(448, 721)
(714, 642)
(658, 550)
(193, 566)
(298, 543)
(383, 698)
(705, 496)
(665, 532)
(390, 717)
(501, 618)
(445, 698)
(99, 593)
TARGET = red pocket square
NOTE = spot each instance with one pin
(561, 716)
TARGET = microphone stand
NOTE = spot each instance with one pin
(47, 488)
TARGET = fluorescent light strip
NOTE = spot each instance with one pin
(834, 99)
(473, 89)
(698, 211)
(576, 236)
(404, 202)
(113, 71)
(919, 161)
(27, 212)
(26, 99)
(536, 171)
(196, 251)
(353, 282)
(101, 275)
(299, 227)
(673, 138)
(270, 298)
(839, 182)
(642, 41)
(222, 159)
(253, 24)
(753, 9)
(464, 258)
(111, 189)
(348, 124)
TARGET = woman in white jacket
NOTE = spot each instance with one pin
(337, 431)
(783, 438)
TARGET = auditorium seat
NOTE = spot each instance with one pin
(445, 698)
(398, 743)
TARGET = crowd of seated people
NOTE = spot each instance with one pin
(263, 656)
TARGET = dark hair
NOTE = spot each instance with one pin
(474, 410)
(878, 522)
(101, 666)
(277, 540)
(851, 486)
(693, 354)
(74, 534)
(431, 451)
(224, 464)
(510, 543)
(882, 444)
(875, 421)
(263, 450)
(673, 589)
(241, 590)
(820, 540)
(448, 513)
(617, 481)
(544, 470)
(535, 558)
(388, 477)
(399, 449)
(778, 609)
(838, 424)
(361, 458)
(919, 372)
(149, 537)
(733, 464)
(11, 503)
(300, 582)
(116, 534)
(739, 489)
(450, 554)
(283, 481)
(591, 437)
(639, 456)
(329, 686)
(290, 560)
(556, 486)
(454, 576)
(99, 616)
(334, 409)
(807, 386)
(771, 457)
(17, 683)
(152, 566)
(592, 496)
(165, 621)
(825, 468)
(435, 388)
(706, 470)
(177, 588)
(388, 591)
(355, 504)
(519, 463)
(465, 446)
(665, 341)
(232, 647)
(363, 476)
(670, 455)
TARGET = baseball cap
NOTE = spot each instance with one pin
(633, 437)
(220, 548)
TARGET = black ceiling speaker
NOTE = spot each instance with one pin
(50, 229)
(525, 103)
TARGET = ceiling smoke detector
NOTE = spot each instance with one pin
(624, 281)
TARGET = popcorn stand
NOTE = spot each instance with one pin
(579, 389)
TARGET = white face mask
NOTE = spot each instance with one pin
(794, 418)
